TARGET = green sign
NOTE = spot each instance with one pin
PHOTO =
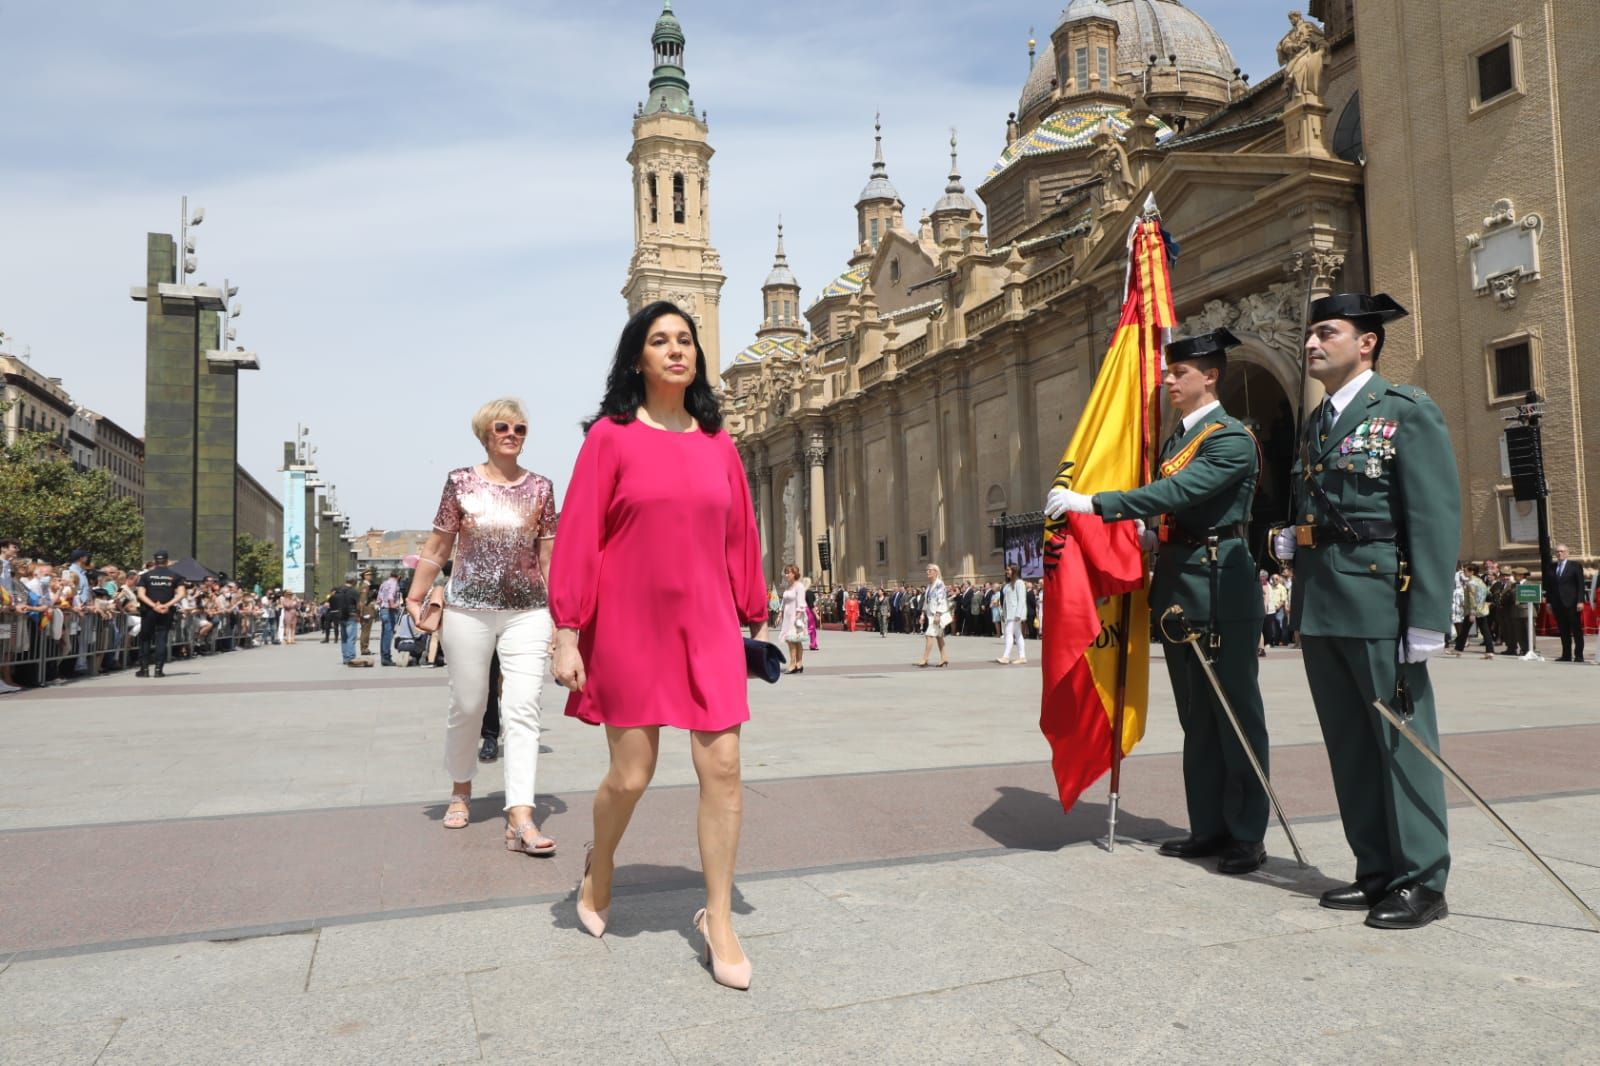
(1529, 594)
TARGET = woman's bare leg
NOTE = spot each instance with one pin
(716, 761)
(633, 763)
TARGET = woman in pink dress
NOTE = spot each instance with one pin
(657, 566)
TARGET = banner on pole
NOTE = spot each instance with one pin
(294, 531)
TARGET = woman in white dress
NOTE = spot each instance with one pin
(792, 620)
(1013, 609)
(935, 616)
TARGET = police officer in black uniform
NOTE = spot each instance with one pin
(158, 589)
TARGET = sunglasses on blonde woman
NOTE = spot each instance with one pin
(519, 428)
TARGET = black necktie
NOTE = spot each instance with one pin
(1325, 419)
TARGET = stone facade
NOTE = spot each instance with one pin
(948, 367)
(120, 454)
(260, 512)
(1481, 220)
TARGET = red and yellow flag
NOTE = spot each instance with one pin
(1089, 563)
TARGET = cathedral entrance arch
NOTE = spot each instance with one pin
(1257, 390)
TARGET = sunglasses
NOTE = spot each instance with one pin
(519, 428)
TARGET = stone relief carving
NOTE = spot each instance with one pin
(1110, 161)
(1303, 53)
(1273, 315)
(1505, 253)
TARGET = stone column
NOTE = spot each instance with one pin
(816, 453)
(939, 547)
(965, 539)
(899, 550)
(863, 542)
(765, 523)
(1024, 491)
(1316, 269)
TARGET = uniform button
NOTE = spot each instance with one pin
(1319, 468)
(1311, 518)
(1119, 514)
(1374, 568)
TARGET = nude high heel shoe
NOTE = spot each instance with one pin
(723, 973)
(593, 921)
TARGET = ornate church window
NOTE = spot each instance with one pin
(874, 233)
(653, 201)
(1104, 57)
(1082, 81)
(677, 198)
(894, 271)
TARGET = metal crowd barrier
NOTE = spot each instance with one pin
(90, 644)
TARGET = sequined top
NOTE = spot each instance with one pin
(498, 530)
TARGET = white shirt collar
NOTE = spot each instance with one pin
(1193, 418)
(1342, 398)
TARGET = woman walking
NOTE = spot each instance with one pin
(291, 616)
(792, 620)
(1013, 610)
(658, 566)
(935, 610)
(852, 611)
(501, 521)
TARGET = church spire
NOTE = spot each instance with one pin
(780, 297)
(781, 274)
(878, 186)
(669, 86)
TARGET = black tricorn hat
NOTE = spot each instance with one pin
(1217, 342)
(1358, 307)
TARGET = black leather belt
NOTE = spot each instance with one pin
(1358, 533)
(1178, 535)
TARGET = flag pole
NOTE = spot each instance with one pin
(1124, 624)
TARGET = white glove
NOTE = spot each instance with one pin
(1147, 537)
(1063, 501)
(1283, 545)
(1420, 645)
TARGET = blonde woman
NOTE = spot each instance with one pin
(792, 621)
(935, 616)
(500, 520)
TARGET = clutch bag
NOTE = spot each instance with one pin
(763, 660)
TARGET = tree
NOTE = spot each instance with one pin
(52, 508)
(257, 562)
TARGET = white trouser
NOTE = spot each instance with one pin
(1013, 630)
(523, 640)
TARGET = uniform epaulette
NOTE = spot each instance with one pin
(1408, 392)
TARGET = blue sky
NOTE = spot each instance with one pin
(426, 204)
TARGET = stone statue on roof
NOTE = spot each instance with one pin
(1110, 161)
(1303, 52)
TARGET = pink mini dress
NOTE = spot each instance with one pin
(658, 565)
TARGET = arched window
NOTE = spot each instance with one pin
(874, 233)
(677, 198)
(652, 197)
(894, 270)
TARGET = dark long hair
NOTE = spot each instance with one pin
(625, 384)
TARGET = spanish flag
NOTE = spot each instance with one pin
(1091, 565)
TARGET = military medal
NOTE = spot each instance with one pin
(1374, 465)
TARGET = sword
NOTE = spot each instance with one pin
(1404, 729)
(1190, 635)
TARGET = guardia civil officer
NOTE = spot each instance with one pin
(1202, 493)
(1378, 526)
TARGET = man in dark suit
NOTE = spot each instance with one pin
(1566, 599)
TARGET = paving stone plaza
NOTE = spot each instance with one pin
(245, 864)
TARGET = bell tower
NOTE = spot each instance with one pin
(672, 254)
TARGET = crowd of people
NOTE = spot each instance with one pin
(59, 621)
(977, 609)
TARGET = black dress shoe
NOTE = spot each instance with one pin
(1564, 659)
(143, 671)
(490, 750)
(160, 672)
(1193, 847)
(1359, 895)
(1409, 907)
(1241, 858)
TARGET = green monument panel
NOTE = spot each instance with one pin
(216, 451)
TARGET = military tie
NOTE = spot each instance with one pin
(1325, 419)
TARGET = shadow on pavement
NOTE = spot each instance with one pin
(1033, 821)
(635, 911)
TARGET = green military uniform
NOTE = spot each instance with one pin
(1212, 491)
(1386, 465)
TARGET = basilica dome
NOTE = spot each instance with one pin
(1145, 28)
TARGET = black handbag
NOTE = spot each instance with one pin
(763, 660)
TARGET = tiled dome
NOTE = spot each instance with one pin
(1068, 129)
(1145, 28)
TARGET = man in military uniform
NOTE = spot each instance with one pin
(1378, 526)
(1203, 492)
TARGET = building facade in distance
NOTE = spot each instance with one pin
(947, 366)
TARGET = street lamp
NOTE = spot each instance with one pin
(186, 244)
